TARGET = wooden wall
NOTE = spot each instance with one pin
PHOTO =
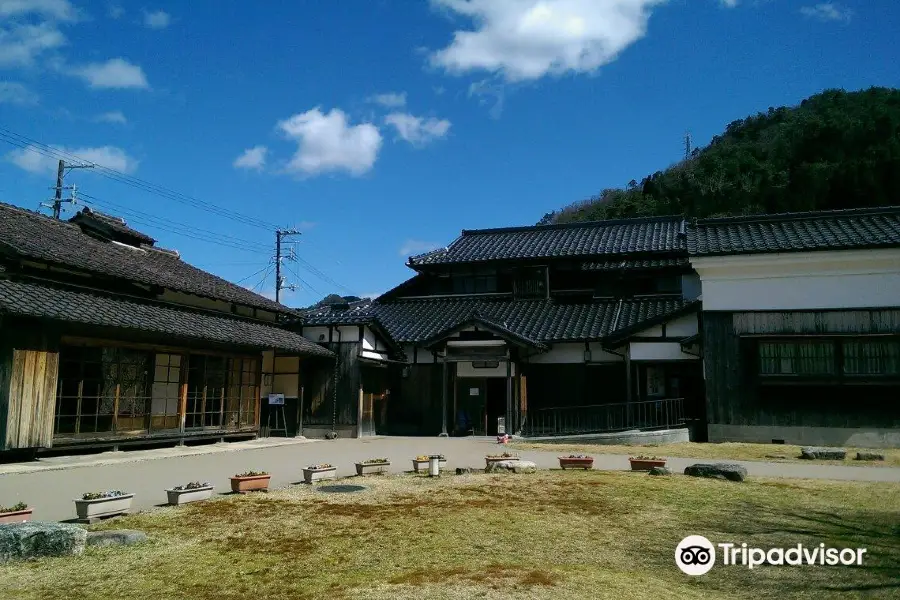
(416, 410)
(556, 385)
(319, 386)
(29, 389)
(736, 396)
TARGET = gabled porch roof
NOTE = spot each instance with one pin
(498, 329)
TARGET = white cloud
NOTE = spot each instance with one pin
(828, 11)
(21, 44)
(327, 142)
(115, 11)
(252, 158)
(115, 116)
(12, 92)
(370, 295)
(111, 157)
(729, 3)
(489, 92)
(418, 130)
(414, 247)
(115, 73)
(528, 39)
(157, 20)
(390, 99)
(61, 10)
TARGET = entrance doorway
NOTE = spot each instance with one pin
(480, 401)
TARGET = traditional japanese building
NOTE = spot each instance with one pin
(108, 339)
(781, 328)
(541, 330)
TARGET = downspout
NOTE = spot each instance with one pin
(337, 358)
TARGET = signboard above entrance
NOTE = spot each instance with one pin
(276, 399)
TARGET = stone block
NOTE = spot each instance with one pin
(731, 472)
(36, 539)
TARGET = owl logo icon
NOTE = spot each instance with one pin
(695, 555)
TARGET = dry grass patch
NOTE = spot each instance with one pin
(549, 535)
(721, 451)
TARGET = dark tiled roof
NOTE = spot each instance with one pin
(116, 225)
(66, 304)
(357, 313)
(29, 234)
(627, 236)
(636, 264)
(499, 329)
(793, 232)
(545, 321)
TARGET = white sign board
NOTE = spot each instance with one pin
(501, 425)
(276, 399)
(473, 391)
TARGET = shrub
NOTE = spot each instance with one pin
(101, 495)
(194, 485)
(251, 474)
(13, 508)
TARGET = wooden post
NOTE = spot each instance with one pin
(182, 411)
(115, 415)
(444, 399)
(299, 432)
(510, 425)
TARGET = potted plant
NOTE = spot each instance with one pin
(420, 463)
(17, 513)
(189, 492)
(495, 458)
(94, 505)
(372, 465)
(576, 461)
(645, 463)
(317, 472)
(250, 481)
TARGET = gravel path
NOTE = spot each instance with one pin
(50, 485)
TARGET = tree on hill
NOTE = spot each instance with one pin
(835, 150)
(334, 299)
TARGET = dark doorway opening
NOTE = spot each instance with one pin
(495, 405)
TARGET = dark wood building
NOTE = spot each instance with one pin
(801, 326)
(536, 330)
(107, 339)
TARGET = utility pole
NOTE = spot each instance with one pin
(60, 176)
(280, 234)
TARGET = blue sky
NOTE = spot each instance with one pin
(381, 128)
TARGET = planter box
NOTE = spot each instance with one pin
(576, 463)
(103, 507)
(646, 465)
(421, 466)
(242, 485)
(178, 497)
(311, 475)
(16, 516)
(370, 468)
(490, 460)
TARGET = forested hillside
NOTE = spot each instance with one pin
(835, 150)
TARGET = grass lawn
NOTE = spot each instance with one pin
(553, 534)
(723, 451)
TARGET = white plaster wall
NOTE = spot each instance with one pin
(802, 280)
(373, 355)
(682, 326)
(370, 342)
(574, 353)
(287, 384)
(658, 351)
(313, 333)
(465, 369)
(287, 364)
(655, 331)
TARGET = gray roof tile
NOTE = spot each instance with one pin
(66, 304)
(31, 235)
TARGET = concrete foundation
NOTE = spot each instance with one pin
(806, 436)
(320, 433)
(663, 436)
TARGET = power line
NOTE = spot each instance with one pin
(262, 281)
(265, 268)
(305, 283)
(24, 142)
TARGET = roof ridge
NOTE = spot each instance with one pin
(574, 225)
(800, 216)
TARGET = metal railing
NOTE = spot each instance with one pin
(604, 418)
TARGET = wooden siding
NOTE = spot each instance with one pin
(735, 394)
(835, 322)
(416, 410)
(30, 399)
(555, 385)
(319, 387)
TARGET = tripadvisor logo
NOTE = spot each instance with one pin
(696, 555)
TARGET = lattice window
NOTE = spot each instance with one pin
(807, 357)
(872, 357)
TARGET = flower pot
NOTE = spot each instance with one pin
(242, 485)
(15, 516)
(178, 497)
(490, 460)
(421, 466)
(103, 507)
(371, 468)
(646, 464)
(311, 475)
(576, 463)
